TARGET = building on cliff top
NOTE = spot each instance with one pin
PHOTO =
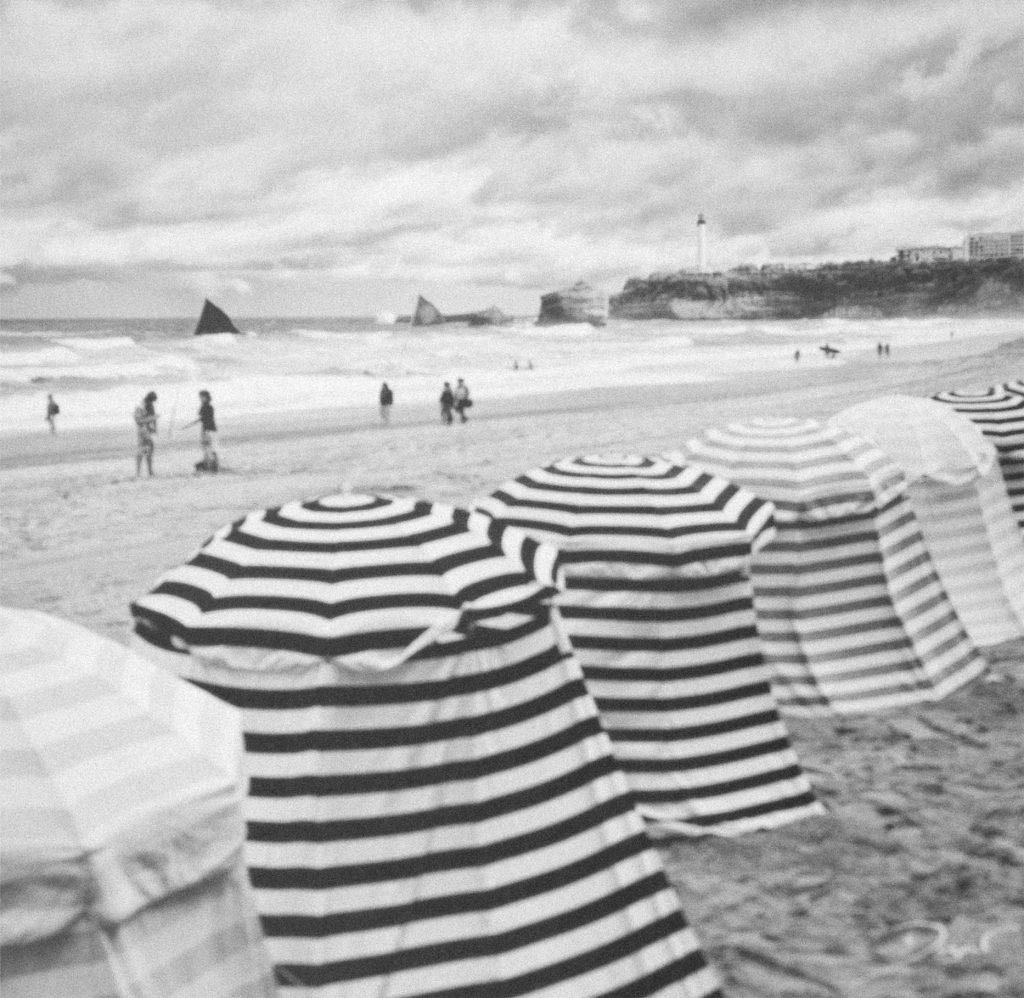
(928, 254)
(995, 245)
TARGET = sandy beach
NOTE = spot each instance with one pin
(926, 809)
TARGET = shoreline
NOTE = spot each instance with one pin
(20, 449)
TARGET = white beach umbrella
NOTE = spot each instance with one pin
(851, 611)
(659, 608)
(433, 805)
(998, 412)
(961, 505)
(122, 825)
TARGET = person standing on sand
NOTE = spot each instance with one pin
(51, 413)
(796, 356)
(447, 401)
(207, 434)
(462, 399)
(145, 424)
(387, 399)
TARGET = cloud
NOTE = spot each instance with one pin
(487, 143)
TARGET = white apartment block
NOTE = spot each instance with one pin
(928, 254)
(995, 245)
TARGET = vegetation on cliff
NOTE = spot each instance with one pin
(871, 287)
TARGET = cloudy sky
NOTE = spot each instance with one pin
(332, 158)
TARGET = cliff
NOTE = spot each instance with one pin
(854, 290)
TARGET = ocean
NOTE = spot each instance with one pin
(98, 369)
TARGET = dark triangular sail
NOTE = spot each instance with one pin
(426, 314)
(214, 320)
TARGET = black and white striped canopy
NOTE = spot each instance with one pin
(659, 608)
(434, 807)
(646, 513)
(345, 576)
(961, 505)
(809, 471)
(851, 611)
(998, 412)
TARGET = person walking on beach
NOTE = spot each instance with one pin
(51, 413)
(796, 356)
(447, 401)
(207, 434)
(462, 399)
(387, 399)
(145, 424)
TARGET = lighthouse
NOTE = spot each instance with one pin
(702, 246)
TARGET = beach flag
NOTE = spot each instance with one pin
(958, 496)
(122, 828)
(849, 606)
(659, 608)
(433, 807)
(999, 413)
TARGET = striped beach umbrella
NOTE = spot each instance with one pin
(122, 829)
(659, 607)
(850, 609)
(961, 505)
(998, 412)
(433, 806)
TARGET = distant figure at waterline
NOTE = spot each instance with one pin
(145, 426)
(207, 434)
(462, 400)
(52, 409)
(447, 400)
(387, 399)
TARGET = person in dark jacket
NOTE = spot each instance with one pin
(387, 399)
(207, 433)
(52, 410)
(447, 401)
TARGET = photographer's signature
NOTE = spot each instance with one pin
(956, 943)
